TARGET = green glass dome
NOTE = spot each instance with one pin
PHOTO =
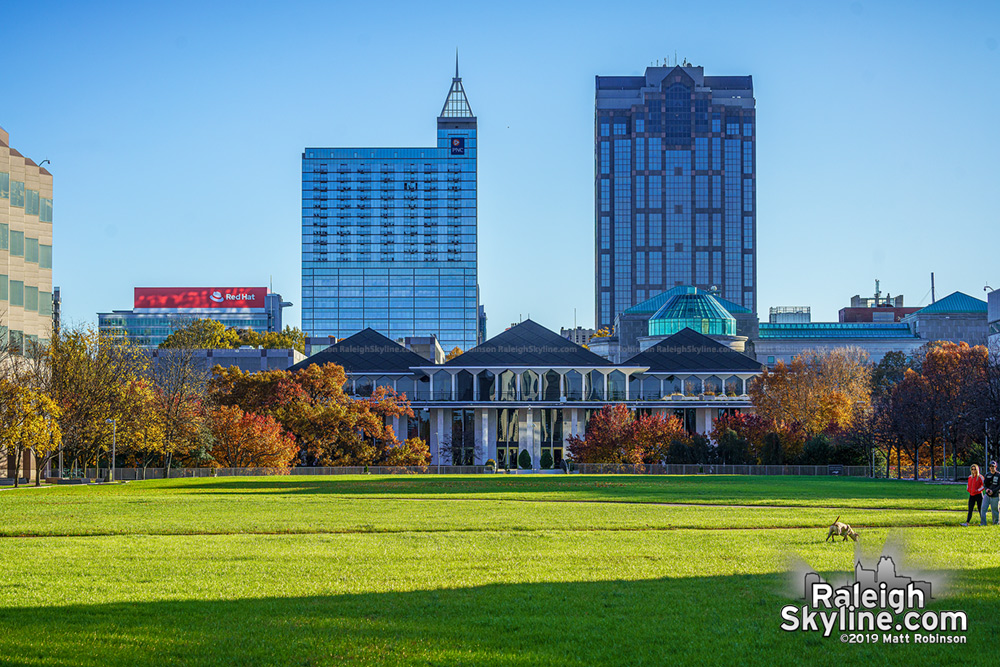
(690, 310)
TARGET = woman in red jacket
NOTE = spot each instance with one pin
(975, 488)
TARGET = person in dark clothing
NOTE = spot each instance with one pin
(975, 489)
(991, 487)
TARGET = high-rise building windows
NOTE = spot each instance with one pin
(703, 222)
(389, 235)
(655, 153)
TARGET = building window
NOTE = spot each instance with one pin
(4, 185)
(31, 202)
(31, 250)
(17, 293)
(551, 425)
(508, 437)
(17, 193)
(17, 244)
(462, 444)
(31, 298)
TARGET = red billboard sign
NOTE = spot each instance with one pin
(200, 298)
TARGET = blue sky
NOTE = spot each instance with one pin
(175, 132)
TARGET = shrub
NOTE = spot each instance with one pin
(524, 460)
(817, 451)
(546, 459)
(491, 464)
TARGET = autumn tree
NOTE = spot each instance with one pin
(91, 376)
(179, 380)
(246, 440)
(331, 428)
(740, 437)
(944, 397)
(412, 452)
(207, 334)
(455, 351)
(888, 372)
(816, 390)
(28, 423)
(608, 438)
(202, 334)
(657, 435)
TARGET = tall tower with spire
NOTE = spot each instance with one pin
(389, 238)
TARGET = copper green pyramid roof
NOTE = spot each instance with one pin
(956, 302)
(689, 309)
(653, 304)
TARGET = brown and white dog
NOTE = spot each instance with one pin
(840, 528)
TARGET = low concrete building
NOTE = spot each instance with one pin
(993, 321)
(578, 335)
(958, 318)
(783, 342)
(247, 359)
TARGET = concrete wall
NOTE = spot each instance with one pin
(968, 328)
(250, 360)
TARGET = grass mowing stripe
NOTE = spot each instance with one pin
(386, 580)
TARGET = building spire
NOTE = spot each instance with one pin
(456, 105)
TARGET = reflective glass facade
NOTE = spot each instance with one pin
(675, 187)
(389, 236)
(149, 329)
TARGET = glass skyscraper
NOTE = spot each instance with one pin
(389, 235)
(674, 185)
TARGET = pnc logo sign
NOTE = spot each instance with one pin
(199, 298)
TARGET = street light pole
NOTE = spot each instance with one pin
(986, 441)
(114, 435)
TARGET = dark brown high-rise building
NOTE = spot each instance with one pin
(675, 183)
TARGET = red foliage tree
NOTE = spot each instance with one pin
(246, 440)
(615, 435)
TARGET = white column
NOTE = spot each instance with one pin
(517, 385)
(454, 386)
(531, 438)
(562, 386)
(487, 441)
(573, 422)
(440, 433)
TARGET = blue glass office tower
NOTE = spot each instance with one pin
(389, 235)
(675, 187)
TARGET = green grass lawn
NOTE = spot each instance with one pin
(422, 570)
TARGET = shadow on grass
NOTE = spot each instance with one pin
(715, 620)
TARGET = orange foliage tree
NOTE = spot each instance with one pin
(816, 390)
(330, 427)
(247, 440)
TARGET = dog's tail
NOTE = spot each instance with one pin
(837, 519)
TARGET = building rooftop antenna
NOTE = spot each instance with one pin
(456, 63)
